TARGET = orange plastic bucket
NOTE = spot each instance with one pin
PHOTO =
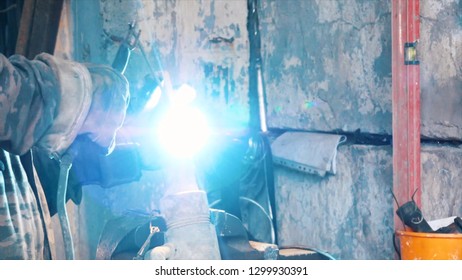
(429, 246)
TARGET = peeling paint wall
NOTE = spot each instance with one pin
(327, 64)
(203, 43)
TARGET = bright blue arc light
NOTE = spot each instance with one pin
(183, 131)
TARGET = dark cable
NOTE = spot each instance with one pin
(11, 7)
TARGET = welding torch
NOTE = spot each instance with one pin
(126, 47)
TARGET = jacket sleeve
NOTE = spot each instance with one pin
(43, 103)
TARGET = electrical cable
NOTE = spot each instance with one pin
(259, 174)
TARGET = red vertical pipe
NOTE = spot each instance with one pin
(406, 104)
(413, 82)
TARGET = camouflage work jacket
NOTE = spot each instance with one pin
(34, 112)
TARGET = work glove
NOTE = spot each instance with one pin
(190, 235)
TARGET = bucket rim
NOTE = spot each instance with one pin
(430, 235)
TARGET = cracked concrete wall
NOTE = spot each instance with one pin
(327, 67)
(441, 182)
(327, 64)
(350, 215)
(440, 54)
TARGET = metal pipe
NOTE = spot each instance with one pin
(257, 100)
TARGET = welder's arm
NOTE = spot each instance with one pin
(47, 102)
(29, 96)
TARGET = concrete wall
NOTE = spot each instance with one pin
(327, 64)
(328, 68)
(441, 68)
(441, 182)
(350, 215)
